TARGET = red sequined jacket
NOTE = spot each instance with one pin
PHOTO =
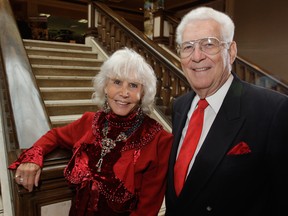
(132, 179)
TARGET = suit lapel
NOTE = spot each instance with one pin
(221, 135)
(180, 118)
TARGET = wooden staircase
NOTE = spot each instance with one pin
(64, 73)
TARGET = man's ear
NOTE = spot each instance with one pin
(233, 52)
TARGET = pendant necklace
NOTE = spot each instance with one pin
(108, 144)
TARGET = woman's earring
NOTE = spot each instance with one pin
(106, 107)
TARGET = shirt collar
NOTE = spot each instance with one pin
(216, 100)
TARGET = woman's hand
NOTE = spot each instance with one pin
(28, 175)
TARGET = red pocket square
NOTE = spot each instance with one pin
(240, 148)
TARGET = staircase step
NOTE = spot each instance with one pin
(68, 107)
(56, 45)
(64, 74)
(62, 70)
(51, 60)
(66, 93)
(60, 52)
(57, 103)
(64, 81)
(61, 120)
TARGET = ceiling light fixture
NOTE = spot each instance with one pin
(83, 21)
(43, 14)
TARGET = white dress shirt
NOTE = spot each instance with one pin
(215, 101)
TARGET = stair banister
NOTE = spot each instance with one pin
(30, 117)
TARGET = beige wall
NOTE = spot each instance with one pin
(262, 34)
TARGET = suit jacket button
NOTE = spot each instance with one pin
(209, 208)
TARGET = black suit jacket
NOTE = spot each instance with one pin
(252, 182)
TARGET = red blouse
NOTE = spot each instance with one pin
(132, 179)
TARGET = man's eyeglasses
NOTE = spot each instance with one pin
(209, 45)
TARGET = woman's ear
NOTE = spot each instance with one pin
(142, 93)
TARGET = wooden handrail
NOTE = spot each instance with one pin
(115, 32)
(27, 105)
(246, 70)
(256, 75)
(24, 119)
(8, 141)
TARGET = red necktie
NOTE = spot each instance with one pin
(189, 145)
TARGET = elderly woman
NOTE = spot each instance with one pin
(120, 154)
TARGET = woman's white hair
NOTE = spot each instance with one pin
(126, 64)
(206, 13)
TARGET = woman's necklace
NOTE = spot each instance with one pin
(109, 144)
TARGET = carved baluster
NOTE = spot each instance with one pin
(108, 36)
(99, 26)
(166, 90)
(117, 38)
(103, 30)
(112, 38)
(159, 77)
